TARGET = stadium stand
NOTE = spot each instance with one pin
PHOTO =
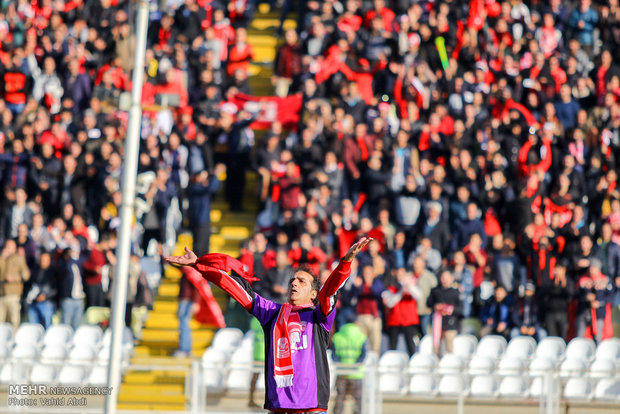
(480, 137)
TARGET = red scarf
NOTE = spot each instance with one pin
(282, 358)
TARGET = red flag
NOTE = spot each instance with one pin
(437, 329)
(286, 110)
(209, 312)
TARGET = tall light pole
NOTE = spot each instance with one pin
(130, 170)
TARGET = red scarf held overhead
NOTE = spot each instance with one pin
(282, 358)
(223, 262)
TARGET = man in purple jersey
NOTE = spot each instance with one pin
(296, 333)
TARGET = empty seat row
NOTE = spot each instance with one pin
(512, 387)
(60, 334)
(526, 348)
(42, 373)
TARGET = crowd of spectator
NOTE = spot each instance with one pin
(477, 142)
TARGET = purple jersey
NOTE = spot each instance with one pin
(310, 387)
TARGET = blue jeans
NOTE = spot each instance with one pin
(425, 323)
(72, 311)
(41, 312)
(185, 333)
(16, 109)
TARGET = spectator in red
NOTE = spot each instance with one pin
(287, 63)
(594, 294)
(400, 300)
(240, 54)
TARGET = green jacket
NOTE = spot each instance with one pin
(259, 340)
(349, 345)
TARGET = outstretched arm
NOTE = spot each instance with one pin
(236, 286)
(339, 276)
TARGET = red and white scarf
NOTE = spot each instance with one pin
(282, 358)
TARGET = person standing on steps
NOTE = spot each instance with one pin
(296, 333)
(201, 191)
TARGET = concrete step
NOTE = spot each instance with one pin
(170, 337)
(155, 377)
(157, 351)
(263, 10)
(216, 215)
(263, 40)
(154, 398)
(235, 232)
(169, 289)
(249, 205)
(161, 306)
(151, 389)
(264, 54)
(219, 243)
(271, 24)
(170, 321)
(157, 407)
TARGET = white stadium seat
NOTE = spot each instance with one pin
(247, 343)
(214, 358)
(53, 353)
(393, 360)
(260, 382)
(89, 335)
(426, 345)
(214, 362)
(59, 334)
(98, 376)
(240, 372)
(391, 367)
(513, 387)
(6, 333)
(126, 341)
(422, 385)
(213, 379)
(538, 387)
(451, 386)
(29, 333)
(540, 365)
(492, 346)
(464, 345)
(522, 347)
(227, 339)
(573, 368)
(72, 375)
(603, 368)
(5, 351)
(483, 386)
(510, 366)
(6, 374)
(580, 348)
(577, 389)
(43, 374)
(238, 379)
(609, 348)
(551, 347)
(481, 364)
(25, 351)
(450, 364)
(82, 355)
(422, 364)
(608, 390)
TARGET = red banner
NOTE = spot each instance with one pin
(286, 110)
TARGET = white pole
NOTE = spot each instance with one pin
(132, 145)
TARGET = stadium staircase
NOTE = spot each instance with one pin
(163, 388)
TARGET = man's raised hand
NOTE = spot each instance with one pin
(356, 248)
(188, 259)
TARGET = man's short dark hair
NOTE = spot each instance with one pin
(316, 281)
